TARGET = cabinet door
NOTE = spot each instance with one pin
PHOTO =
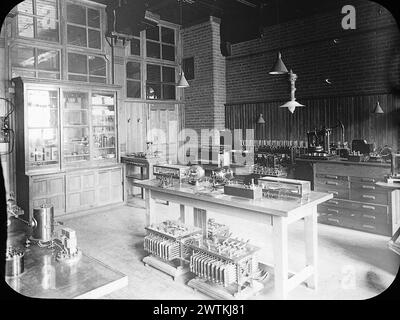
(109, 186)
(116, 185)
(103, 187)
(48, 190)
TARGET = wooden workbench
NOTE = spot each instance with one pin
(279, 213)
(44, 277)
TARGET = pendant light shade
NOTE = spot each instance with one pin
(378, 109)
(182, 83)
(279, 66)
(291, 105)
(261, 119)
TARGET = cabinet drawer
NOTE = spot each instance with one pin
(374, 218)
(371, 180)
(369, 208)
(366, 187)
(369, 197)
(331, 183)
(330, 176)
(337, 191)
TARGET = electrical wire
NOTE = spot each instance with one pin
(12, 105)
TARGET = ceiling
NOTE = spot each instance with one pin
(243, 18)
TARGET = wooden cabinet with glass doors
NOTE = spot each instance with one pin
(65, 134)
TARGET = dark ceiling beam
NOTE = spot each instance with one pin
(160, 4)
(247, 3)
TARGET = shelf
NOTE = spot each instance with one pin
(41, 128)
(75, 155)
(104, 148)
(76, 126)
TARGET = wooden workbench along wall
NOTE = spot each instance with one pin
(360, 65)
(353, 111)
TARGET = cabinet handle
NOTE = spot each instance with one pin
(333, 201)
(352, 215)
(334, 192)
(367, 179)
(368, 187)
(367, 196)
(364, 206)
(333, 210)
(368, 226)
(369, 216)
(332, 183)
(333, 220)
(331, 177)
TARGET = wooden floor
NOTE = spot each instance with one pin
(353, 264)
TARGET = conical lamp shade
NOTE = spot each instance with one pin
(291, 105)
(182, 83)
(279, 67)
(260, 119)
(378, 109)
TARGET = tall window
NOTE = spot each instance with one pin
(35, 62)
(135, 47)
(160, 82)
(38, 19)
(87, 68)
(83, 26)
(160, 43)
(133, 80)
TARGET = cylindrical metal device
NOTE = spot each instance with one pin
(14, 263)
(43, 223)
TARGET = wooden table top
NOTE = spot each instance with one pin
(388, 185)
(44, 277)
(268, 206)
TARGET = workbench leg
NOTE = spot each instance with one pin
(280, 245)
(200, 220)
(149, 207)
(311, 242)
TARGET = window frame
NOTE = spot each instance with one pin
(88, 75)
(35, 69)
(161, 82)
(161, 43)
(86, 27)
(35, 18)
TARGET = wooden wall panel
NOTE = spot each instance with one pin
(353, 111)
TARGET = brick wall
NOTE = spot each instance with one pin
(206, 96)
(364, 60)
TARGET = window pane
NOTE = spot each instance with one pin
(168, 52)
(168, 74)
(97, 79)
(153, 33)
(75, 77)
(153, 91)
(48, 60)
(93, 18)
(47, 29)
(76, 14)
(168, 92)
(22, 57)
(25, 6)
(46, 8)
(133, 70)
(167, 35)
(153, 49)
(25, 26)
(76, 36)
(97, 66)
(135, 47)
(94, 39)
(153, 73)
(133, 89)
(77, 63)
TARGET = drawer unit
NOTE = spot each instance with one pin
(369, 197)
(341, 192)
(330, 177)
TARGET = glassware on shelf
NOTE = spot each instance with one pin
(76, 127)
(103, 122)
(42, 125)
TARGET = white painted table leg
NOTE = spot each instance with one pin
(149, 207)
(280, 247)
(311, 244)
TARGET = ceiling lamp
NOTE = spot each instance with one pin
(292, 103)
(279, 66)
(377, 109)
(182, 83)
(261, 119)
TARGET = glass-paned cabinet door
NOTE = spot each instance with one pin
(103, 124)
(76, 127)
(42, 129)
